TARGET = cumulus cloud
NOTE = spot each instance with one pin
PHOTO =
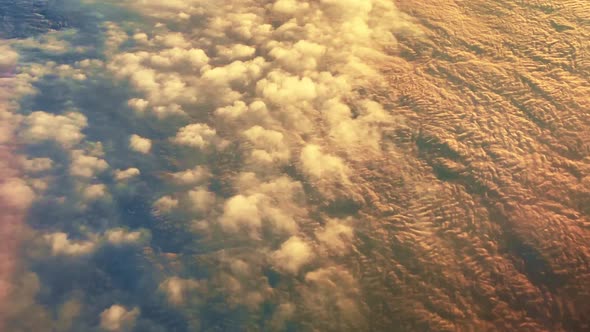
(84, 165)
(332, 293)
(165, 204)
(241, 212)
(262, 204)
(61, 244)
(94, 192)
(323, 166)
(336, 235)
(273, 79)
(236, 51)
(15, 193)
(177, 289)
(200, 199)
(119, 236)
(190, 176)
(140, 144)
(282, 88)
(269, 145)
(126, 174)
(118, 318)
(8, 58)
(293, 255)
(197, 135)
(37, 165)
(64, 129)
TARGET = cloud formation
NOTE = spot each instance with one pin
(118, 318)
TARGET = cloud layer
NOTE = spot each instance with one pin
(275, 165)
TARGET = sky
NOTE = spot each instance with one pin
(168, 163)
(294, 165)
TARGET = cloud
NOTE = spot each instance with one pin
(336, 235)
(272, 78)
(120, 236)
(190, 176)
(236, 52)
(178, 58)
(86, 166)
(272, 206)
(331, 294)
(269, 145)
(140, 144)
(61, 245)
(8, 58)
(64, 129)
(293, 255)
(322, 166)
(200, 200)
(177, 289)
(241, 212)
(94, 192)
(282, 88)
(123, 175)
(15, 193)
(37, 165)
(197, 135)
(118, 318)
(165, 204)
(137, 104)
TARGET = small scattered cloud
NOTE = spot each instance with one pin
(118, 318)
(64, 129)
(140, 144)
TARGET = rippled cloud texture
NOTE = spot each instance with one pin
(245, 165)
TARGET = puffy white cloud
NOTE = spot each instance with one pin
(122, 175)
(61, 245)
(64, 129)
(190, 176)
(238, 72)
(120, 236)
(177, 289)
(140, 144)
(233, 111)
(15, 193)
(37, 165)
(274, 204)
(86, 166)
(118, 318)
(336, 235)
(289, 7)
(281, 88)
(198, 135)
(182, 59)
(94, 192)
(293, 255)
(115, 36)
(298, 57)
(200, 199)
(322, 166)
(250, 213)
(39, 185)
(332, 292)
(165, 204)
(8, 58)
(236, 51)
(242, 211)
(138, 105)
(269, 145)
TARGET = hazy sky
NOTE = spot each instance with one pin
(325, 165)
